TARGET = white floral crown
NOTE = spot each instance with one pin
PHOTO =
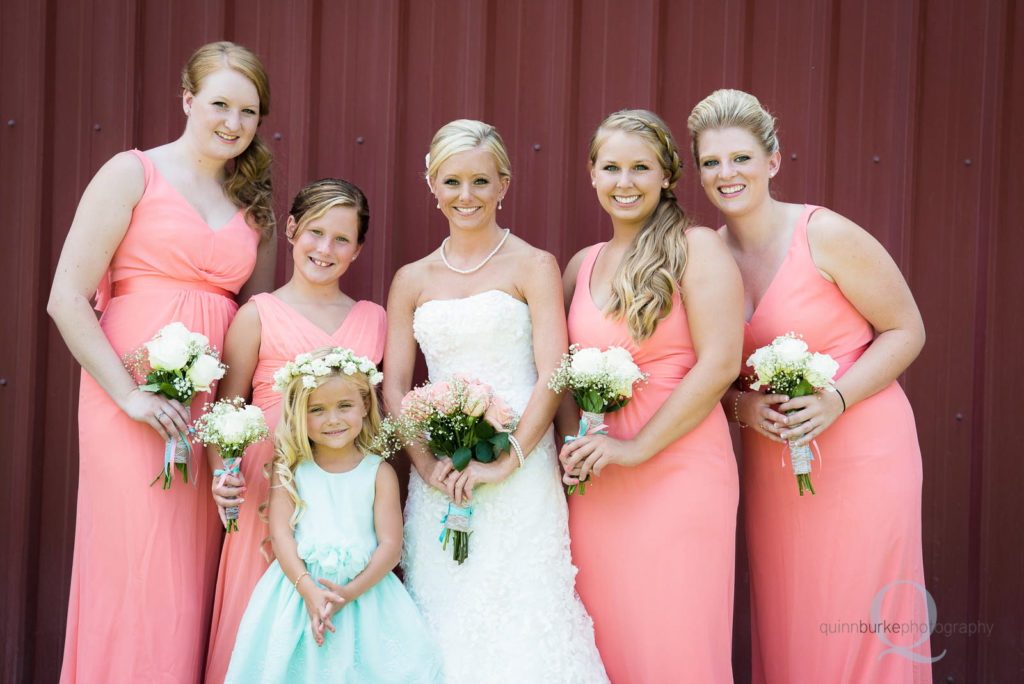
(310, 369)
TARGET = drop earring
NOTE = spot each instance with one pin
(499, 205)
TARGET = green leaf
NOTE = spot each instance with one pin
(461, 457)
(484, 430)
(802, 389)
(500, 440)
(484, 452)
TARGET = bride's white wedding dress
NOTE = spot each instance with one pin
(510, 613)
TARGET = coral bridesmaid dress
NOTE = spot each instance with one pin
(145, 559)
(818, 563)
(655, 543)
(284, 334)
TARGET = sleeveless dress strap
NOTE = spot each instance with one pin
(105, 288)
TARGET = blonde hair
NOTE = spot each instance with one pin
(319, 197)
(293, 446)
(649, 275)
(463, 135)
(249, 183)
(728, 108)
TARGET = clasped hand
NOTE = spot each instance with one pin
(780, 418)
(167, 417)
(228, 490)
(321, 605)
(592, 454)
(458, 485)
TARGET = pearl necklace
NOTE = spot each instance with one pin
(467, 271)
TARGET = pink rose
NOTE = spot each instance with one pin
(414, 406)
(498, 414)
(477, 399)
(442, 398)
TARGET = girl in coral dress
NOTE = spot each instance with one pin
(169, 234)
(828, 571)
(326, 227)
(654, 534)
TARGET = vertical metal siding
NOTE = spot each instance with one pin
(900, 115)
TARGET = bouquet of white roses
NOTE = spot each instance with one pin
(178, 364)
(786, 367)
(463, 420)
(600, 382)
(231, 426)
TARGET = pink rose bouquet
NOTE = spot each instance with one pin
(460, 419)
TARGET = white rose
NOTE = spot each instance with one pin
(587, 362)
(789, 350)
(200, 340)
(303, 358)
(233, 427)
(617, 357)
(205, 369)
(175, 332)
(821, 369)
(253, 413)
(167, 354)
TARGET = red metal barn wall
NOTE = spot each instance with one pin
(899, 115)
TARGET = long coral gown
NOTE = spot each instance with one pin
(145, 559)
(818, 563)
(284, 334)
(655, 543)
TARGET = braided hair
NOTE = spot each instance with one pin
(650, 273)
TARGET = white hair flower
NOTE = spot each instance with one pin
(309, 369)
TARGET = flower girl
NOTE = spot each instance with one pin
(336, 530)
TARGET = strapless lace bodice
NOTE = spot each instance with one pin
(487, 336)
(519, 527)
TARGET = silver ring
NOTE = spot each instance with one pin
(160, 415)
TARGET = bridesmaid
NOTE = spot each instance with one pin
(654, 535)
(326, 227)
(169, 234)
(819, 563)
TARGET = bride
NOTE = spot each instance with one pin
(488, 305)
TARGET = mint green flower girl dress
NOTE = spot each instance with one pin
(379, 637)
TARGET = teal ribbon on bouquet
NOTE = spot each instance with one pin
(585, 429)
(232, 466)
(170, 450)
(458, 526)
(456, 521)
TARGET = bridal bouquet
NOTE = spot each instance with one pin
(463, 420)
(600, 382)
(178, 364)
(231, 426)
(786, 367)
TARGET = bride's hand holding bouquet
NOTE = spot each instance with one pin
(466, 427)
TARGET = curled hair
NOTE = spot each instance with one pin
(248, 183)
(463, 135)
(319, 197)
(733, 108)
(292, 445)
(650, 273)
